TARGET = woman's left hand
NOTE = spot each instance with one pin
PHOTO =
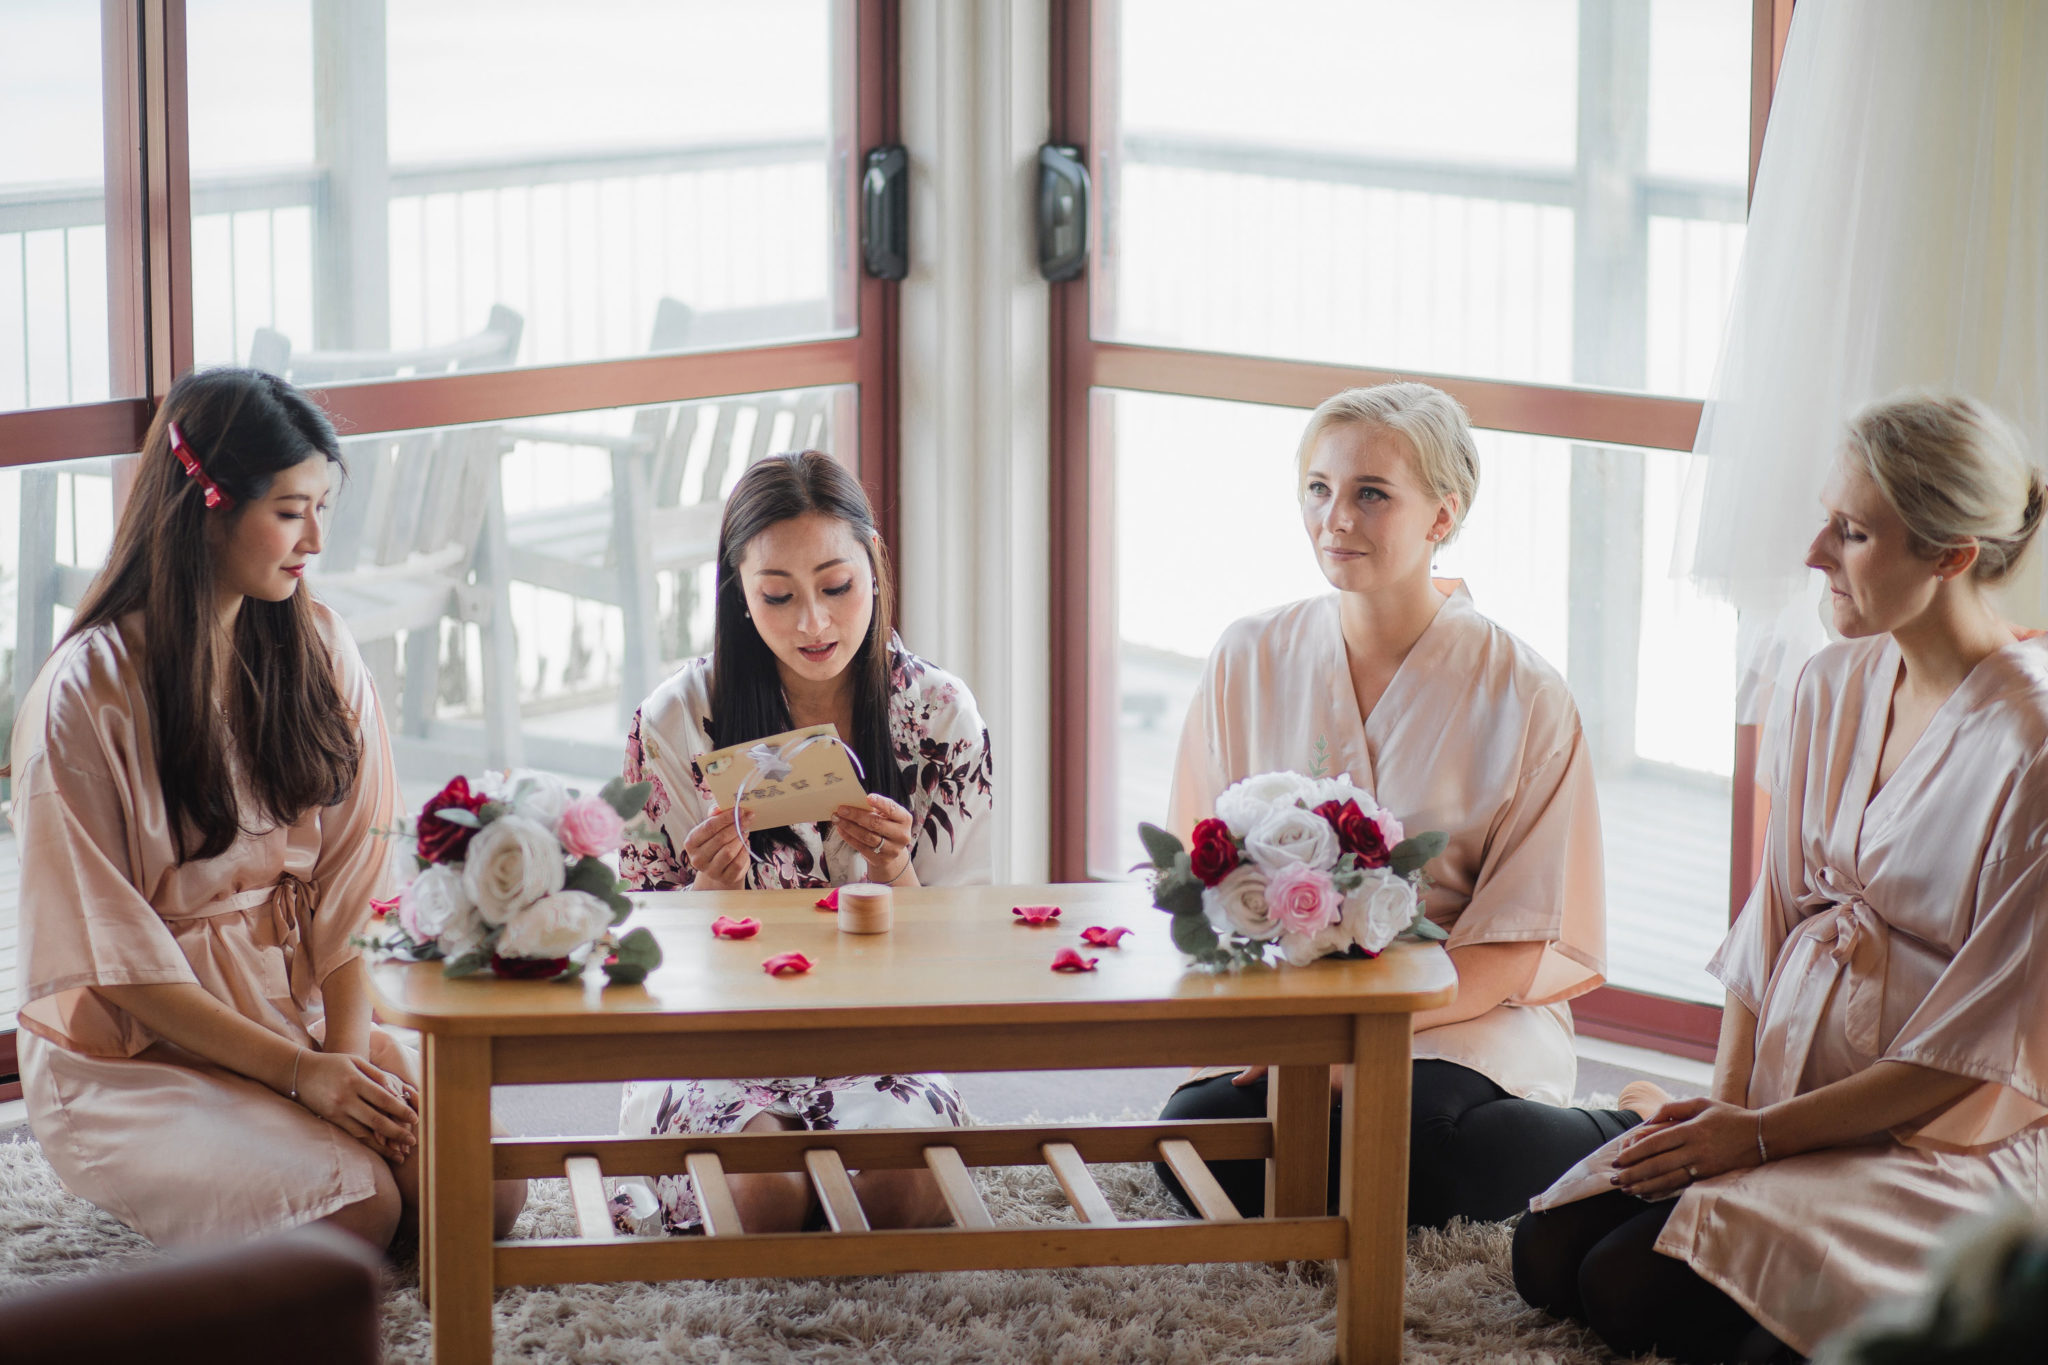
(880, 831)
(1690, 1140)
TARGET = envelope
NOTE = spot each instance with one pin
(784, 779)
(1593, 1175)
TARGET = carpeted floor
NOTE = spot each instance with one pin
(1461, 1304)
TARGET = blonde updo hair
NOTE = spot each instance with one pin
(1955, 472)
(1434, 425)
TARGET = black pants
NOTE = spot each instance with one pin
(1596, 1261)
(1474, 1151)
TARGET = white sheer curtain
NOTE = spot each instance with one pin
(1898, 237)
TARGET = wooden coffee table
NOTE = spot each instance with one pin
(958, 986)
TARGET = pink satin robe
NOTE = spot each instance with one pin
(177, 1148)
(1476, 736)
(1906, 926)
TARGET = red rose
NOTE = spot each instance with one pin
(1214, 852)
(1357, 832)
(527, 968)
(444, 841)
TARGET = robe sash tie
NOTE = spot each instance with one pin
(1846, 951)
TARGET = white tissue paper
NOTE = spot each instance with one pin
(1594, 1175)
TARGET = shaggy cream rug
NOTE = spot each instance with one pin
(1461, 1304)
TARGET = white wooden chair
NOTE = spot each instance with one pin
(667, 497)
(418, 537)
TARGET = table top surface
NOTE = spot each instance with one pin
(955, 956)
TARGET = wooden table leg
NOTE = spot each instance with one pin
(1374, 1190)
(1298, 1176)
(456, 1257)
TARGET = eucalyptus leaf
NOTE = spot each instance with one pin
(1427, 930)
(469, 964)
(456, 815)
(1178, 892)
(1161, 844)
(1193, 935)
(1408, 856)
(627, 801)
(637, 954)
(591, 875)
(491, 810)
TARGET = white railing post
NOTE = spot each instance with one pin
(351, 231)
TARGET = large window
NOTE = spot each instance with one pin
(1538, 204)
(559, 273)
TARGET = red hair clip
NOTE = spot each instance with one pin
(193, 469)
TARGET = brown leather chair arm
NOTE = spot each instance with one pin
(308, 1296)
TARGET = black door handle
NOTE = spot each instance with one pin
(885, 213)
(1062, 212)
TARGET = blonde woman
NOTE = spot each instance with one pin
(1883, 1067)
(1453, 724)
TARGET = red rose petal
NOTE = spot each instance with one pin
(1035, 915)
(830, 900)
(1095, 936)
(725, 926)
(786, 964)
(1067, 960)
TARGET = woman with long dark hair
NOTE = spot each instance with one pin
(201, 780)
(802, 637)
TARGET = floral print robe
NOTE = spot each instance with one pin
(942, 745)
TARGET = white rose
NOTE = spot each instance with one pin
(1377, 912)
(1289, 834)
(1237, 905)
(1339, 789)
(537, 796)
(1245, 803)
(464, 933)
(1300, 949)
(512, 862)
(435, 900)
(555, 926)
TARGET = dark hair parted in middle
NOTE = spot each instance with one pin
(283, 713)
(747, 700)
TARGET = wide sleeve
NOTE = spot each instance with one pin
(354, 864)
(1541, 878)
(652, 863)
(953, 799)
(82, 919)
(1200, 768)
(1984, 1017)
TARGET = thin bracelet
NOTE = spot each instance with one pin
(297, 1057)
(1763, 1153)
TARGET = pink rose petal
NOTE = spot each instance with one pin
(1035, 915)
(786, 964)
(830, 900)
(1067, 960)
(1095, 936)
(380, 909)
(725, 926)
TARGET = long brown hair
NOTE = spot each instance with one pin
(747, 700)
(293, 734)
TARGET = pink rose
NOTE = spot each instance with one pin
(1303, 899)
(590, 828)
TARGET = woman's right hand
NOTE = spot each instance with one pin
(717, 853)
(368, 1103)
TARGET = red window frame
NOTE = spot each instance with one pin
(1084, 627)
(149, 221)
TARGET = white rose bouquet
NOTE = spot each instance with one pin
(513, 880)
(1306, 866)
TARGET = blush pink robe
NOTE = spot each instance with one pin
(1906, 926)
(1476, 736)
(177, 1148)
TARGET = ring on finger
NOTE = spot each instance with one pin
(1691, 1173)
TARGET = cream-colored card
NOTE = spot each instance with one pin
(786, 780)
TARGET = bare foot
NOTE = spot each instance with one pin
(1643, 1098)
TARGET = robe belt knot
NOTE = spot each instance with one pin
(292, 902)
(1859, 941)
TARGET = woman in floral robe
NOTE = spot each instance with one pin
(802, 577)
